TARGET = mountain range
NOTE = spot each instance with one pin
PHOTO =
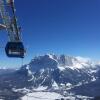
(54, 73)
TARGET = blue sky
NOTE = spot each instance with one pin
(70, 27)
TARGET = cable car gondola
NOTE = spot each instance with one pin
(15, 49)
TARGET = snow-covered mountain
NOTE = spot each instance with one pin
(58, 74)
(62, 70)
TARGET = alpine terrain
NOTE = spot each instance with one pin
(52, 77)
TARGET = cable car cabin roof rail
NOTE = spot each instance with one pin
(2, 27)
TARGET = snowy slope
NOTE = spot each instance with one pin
(42, 96)
(53, 96)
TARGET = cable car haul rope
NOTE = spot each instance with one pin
(14, 47)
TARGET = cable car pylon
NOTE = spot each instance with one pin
(14, 47)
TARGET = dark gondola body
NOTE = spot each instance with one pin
(15, 49)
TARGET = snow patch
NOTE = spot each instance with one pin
(29, 72)
(55, 85)
(42, 96)
(51, 57)
(40, 88)
(93, 79)
(23, 90)
(61, 68)
(31, 79)
(93, 71)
